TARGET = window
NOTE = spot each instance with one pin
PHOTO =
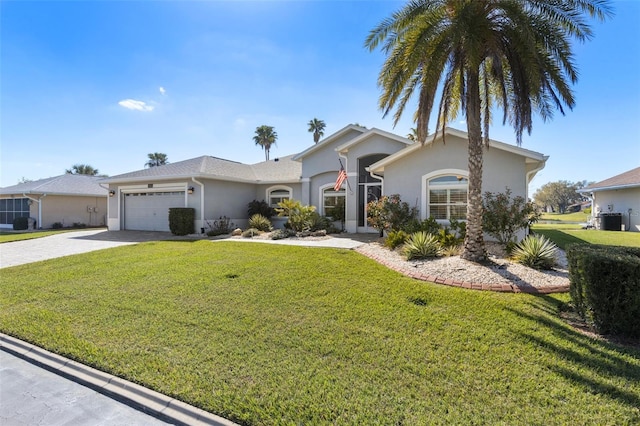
(330, 198)
(277, 195)
(11, 208)
(448, 197)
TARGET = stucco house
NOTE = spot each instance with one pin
(65, 199)
(432, 177)
(618, 195)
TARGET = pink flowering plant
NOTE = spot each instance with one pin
(505, 215)
(389, 213)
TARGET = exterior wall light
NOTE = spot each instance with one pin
(190, 190)
(112, 193)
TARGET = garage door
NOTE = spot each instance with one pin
(149, 211)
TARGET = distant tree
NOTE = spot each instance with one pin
(317, 128)
(265, 137)
(558, 195)
(82, 169)
(156, 159)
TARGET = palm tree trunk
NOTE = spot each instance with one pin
(474, 249)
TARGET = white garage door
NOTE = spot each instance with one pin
(149, 211)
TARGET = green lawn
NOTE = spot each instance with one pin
(564, 234)
(11, 236)
(566, 217)
(266, 334)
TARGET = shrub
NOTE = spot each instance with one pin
(605, 286)
(251, 232)
(452, 251)
(261, 208)
(389, 213)
(301, 218)
(260, 223)
(504, 216)
(535, 251)
(422, 245)
(280, 234)
(395, 239)
(57, 225)
(182, 220)
(318, 222)
(338, 213)
(20, 223)
(222, 226)
(430, 225)
(587, 211)
(79, 225)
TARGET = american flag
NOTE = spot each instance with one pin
(342, 176)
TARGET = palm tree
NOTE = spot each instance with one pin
(413, 134)
(82, 169)
(156, 159)
(515, 55)
(317, 127)
(265, 137)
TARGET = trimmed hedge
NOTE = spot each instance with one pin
(605, 286)
(182, 220)
(20, 223)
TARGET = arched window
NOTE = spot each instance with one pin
(331, 197)
(277, 194)
(447, 197)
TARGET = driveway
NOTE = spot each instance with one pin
(68, 243)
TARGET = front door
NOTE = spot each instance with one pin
(369, 189)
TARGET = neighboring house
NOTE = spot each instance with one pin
(432, 177)
(65, 199)
(617, 195)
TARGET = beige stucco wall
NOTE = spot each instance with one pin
(68, 210)
(405, 176)
(622, 200)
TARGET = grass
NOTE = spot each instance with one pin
(566, 217)
(265, 334)
(562, 236)
(11, 236)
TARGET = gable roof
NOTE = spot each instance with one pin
(530, 156)
(67, 184)
(374, 131)
(328, 140)
(630, 179)
(208, 167)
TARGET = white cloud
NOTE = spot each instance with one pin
(162, 90)
(135, 105)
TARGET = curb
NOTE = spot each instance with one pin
(134, 395)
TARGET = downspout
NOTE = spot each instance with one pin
(37, 200)
(375, 176)
(201, 200)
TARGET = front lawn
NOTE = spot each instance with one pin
(266, 334)
(11, 236)
(562, 235)
(566, 217)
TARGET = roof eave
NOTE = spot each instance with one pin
(609, 188)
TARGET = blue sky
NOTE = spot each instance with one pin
(106, 83)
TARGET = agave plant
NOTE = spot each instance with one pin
(421, 245)
(260, 223)
(535, 251)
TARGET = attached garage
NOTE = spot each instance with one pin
(149, 211)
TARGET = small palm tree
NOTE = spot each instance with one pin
(515, 55)
(265, 137)
(317, 128)
(82, 169)
(156, 159)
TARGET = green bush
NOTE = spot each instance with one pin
(260, 223)
(395, 239)
(57, 225)
(301, 218)
(318, 223)
(422, 245)
(535, 251)
(222, 226)
(504, 216)
(430, 226)
(587, 211)
(605, 286)
(338, 212)
(389, 213)
(20, 223)
(261, 208)
(280, 234)
(251, 232)
(182, 220)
